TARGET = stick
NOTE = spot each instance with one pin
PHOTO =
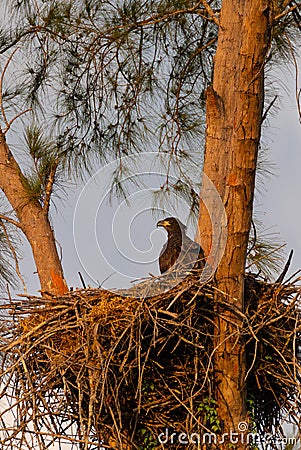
(286, 267)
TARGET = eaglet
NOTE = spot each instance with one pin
(179, 253)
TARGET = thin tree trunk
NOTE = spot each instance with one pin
(33, 221)
(234, 112)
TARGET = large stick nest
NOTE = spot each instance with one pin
(99, 369)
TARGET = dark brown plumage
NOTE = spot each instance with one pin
(179, 253)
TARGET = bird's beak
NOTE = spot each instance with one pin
(163, 223)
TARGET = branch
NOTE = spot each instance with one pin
(210, 12)
(33, 30)
(82, 280)
(1, 86)
(15, 118)
(159, 18)
(268, 109)
(286, 267)
(17, 39)
(297, 90)
(254, 239)
(14, 253)
(12, 221)
(8, 123)
(49, 186)
(284, 13)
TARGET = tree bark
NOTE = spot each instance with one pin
(33, 221)
(234, 113)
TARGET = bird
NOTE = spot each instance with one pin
(179, 253)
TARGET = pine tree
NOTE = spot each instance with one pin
(125, 75)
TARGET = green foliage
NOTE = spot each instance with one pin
(44, 154)
(251, 407)
(147, 440)
(34, 187)
(266, 251)
(286, 33)
(209, 407)
(147, 387)
(125, 75)
(122, 76)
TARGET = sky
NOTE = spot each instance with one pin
(280, 203)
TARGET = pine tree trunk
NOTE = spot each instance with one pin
(33, 221)
(234, 114)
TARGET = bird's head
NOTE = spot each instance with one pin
(172, 225)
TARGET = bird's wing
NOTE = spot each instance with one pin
(192, 255)
(162, 260)
(169, 255)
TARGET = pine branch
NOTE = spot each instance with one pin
(14, 253)
(264, 116)
(1, 87)
(297, 89)
(9, 220)
(9, 124)
(49, 186)
(285, 13)
(210, 12)
(286, 267)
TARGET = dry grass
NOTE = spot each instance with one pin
(97, 369)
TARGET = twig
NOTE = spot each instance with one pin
(8, 123)
(49, 186)
(297, 90)
(12, 221)
(210, 12)
(284, 13)
(15, 118)
(254, 237)
(268, 109)
(1, 86)
(253, 361)
(82, 280)
(286, 267)
(14, 253)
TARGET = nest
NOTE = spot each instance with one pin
(98, 369)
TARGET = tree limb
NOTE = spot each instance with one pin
(9, 220)
(34, 223)
(1, 87)
(49, 186)
(284, 13)
(210, 12)
(9, 124)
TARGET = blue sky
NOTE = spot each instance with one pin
(280, 204)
